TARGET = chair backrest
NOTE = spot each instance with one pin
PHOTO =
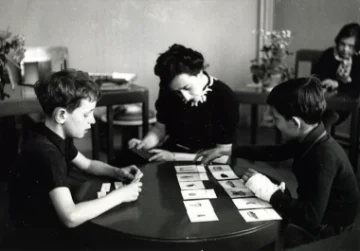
(306, 55)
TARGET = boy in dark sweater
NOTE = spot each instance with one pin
(41, 205)
(328, 193)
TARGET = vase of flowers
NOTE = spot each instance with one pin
(270, 69)
(12, 51)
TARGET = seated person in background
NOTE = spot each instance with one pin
(328, 193)
(195, 111)
(338, 68)
(41, 205)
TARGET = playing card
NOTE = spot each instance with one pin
(202, 216)
(232, 184)
(191, 185)
(198, 194)
(198, 205)
(219, 168)
(186, 169)
(259, 215)
(190, 169)
(191, 176)
(247, 203)
(105, 187)
(226, 175)
(142, 153)
(101, 194)
(118, 184)
(239, 192)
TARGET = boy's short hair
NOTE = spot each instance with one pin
(65, 89)
(301, 97)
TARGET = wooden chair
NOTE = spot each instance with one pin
(306, 55)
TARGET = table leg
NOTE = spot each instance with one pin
(354, 138)
(95, 141)
(277, 136)
(253, 123)
(145, 113)
(110, 130)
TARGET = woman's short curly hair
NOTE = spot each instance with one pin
(176, 60)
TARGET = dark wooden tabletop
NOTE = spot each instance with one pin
(159, 214)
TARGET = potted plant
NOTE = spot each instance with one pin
(12, 51)
(270, 69)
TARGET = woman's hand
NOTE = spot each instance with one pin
(161, 155)
(209, 155)
(138, 144)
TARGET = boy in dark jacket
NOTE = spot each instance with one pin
(328, 193)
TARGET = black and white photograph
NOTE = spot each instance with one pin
(180, 125)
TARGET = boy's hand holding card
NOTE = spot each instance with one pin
(128, 174)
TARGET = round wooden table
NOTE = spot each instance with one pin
(158, 219)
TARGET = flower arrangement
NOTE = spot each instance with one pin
(272, 60)
(12, 51)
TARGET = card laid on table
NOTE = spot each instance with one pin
(190, 169)
(219, 168)
(198, 205)
(247, 203)
(239, 192)
(191, 176)
(202, 216)
(232, 184)
(224, 175)
(191, 185)
(198, 194)
(259, 215)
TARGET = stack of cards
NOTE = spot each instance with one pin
(105, 188)
(222, 172)
(200, 211)
(236, 188)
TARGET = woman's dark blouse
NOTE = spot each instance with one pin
(202, 127)
(326, 68)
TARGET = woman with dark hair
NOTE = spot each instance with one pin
(195, 111)
(338, 68)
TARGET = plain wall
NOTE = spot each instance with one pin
(314, 23)
(128, 35)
